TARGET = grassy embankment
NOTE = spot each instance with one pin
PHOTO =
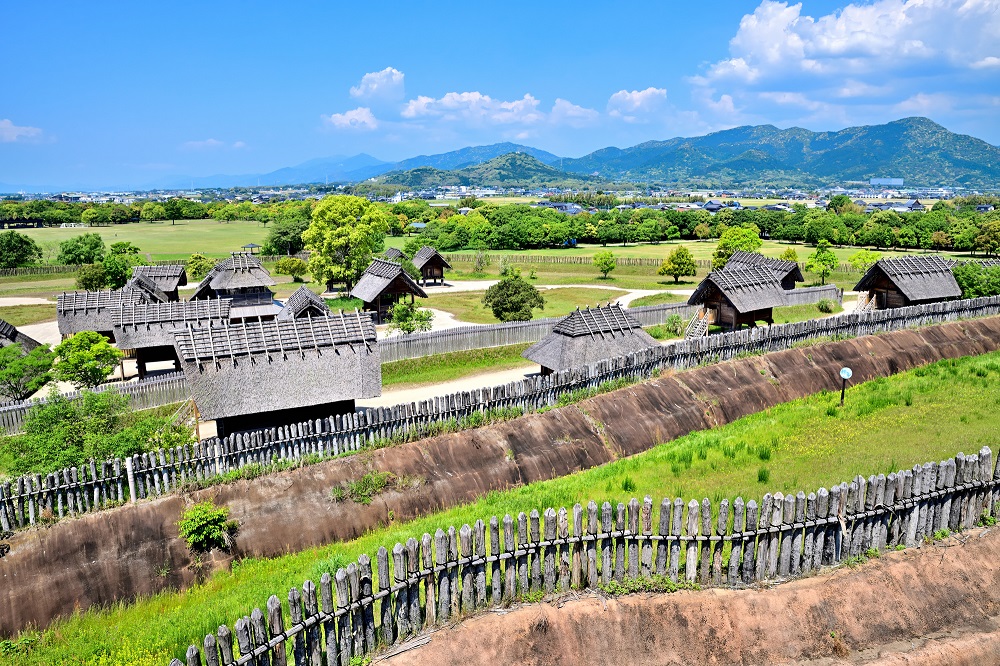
(439, 368)
(926, 414)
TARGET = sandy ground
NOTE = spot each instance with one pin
(24, 300)
(469, 383)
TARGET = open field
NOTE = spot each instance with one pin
(657, 299)
(925, 414)
(425, 370)
(468, 305)
(23, 315)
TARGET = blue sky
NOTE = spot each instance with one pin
(122, 94)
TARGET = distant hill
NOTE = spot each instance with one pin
(471, 156)
(509, 170)
(918, 150)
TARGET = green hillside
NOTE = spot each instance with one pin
(510, 170)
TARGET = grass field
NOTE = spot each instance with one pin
(425, 370)
(23, 315)
(657, 299)
(468, 305)
(888, 424)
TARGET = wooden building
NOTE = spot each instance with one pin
(167, 278)
(148, 328)
(395, 254)
(93, 310)
(272, 373)
(303, 303)
(587, 336)
(382, 285)
(733, 297)
(431, 264)
(243, 279)
(787, 272)
(149, 289)
(9, 335)
(896, 283)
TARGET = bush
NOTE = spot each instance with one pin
(22, 374)
(513, 299)
(82, 249)
(85, 359)
(408, 318)
(91, 277)
(205, 526)
(18, 250)
(198, 266)
(825, 305)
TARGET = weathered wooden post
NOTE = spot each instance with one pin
(722, 526)
(646, 565)
(592, 544)
(663, 545)
(691, 531)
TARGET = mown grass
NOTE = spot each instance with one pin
(468, 306)
(23, 315)
(657, 299)
(455, 365)
(795, 313)
(926, 414)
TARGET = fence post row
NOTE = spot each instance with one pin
(789, 536)
(100, 484)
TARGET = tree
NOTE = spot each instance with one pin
(82, 249)
(988, 240)
(85, 359)
(119, 262)
(940, 240)
(408, 318)
(790, 255)
(822, 262)
(22, 374)
(513, 299)
(969, 276)
(291, 266)
(862, 260)
(152, 211)
(344, 234)
(702, 231)
(91, 277)
(734, 239)
(285, 237)
(678, 263)
(839, 203)
(605, 262)
(198, 266)
(18, 250)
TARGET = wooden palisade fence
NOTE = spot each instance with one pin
(588, 260)
(439, 578)
(163, 471)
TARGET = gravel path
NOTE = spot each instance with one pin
(405, 395)
(24, 300)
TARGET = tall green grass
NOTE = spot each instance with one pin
(926, 414)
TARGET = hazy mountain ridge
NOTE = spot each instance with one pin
(509, 170)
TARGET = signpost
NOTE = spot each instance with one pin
(845, 374)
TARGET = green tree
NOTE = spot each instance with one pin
(702, 231)
(513, 299)
(734, 239)
(291, 266)
(85, 359)
(790, 255)
(822, 262)
(18, 250)
(152, 211)
(344, 234)
(22, 374)
(605, 262)
(940, 239)
(862, 260)
(198, 266)
(839, 202)
(285, 237)
(678, 263)
(119, 262)
(408, 318)
(988, 240)
(969, 276)
(91, 277)
(82, 249)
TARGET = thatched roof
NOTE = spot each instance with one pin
(9, 335)
(92, 310)
(150, 290)
(587, 336)
(748, 288)
(926, 278)
(382, 275)
(395, 254)
(303, 303)
(167, 278)
(427, 254)
(240, 271)
(139, 326)
(278, 365)
(781, 268)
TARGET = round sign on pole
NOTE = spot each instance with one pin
(846, 373)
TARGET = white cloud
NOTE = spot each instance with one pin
(9, 132)
(206, 144)
(386, 85)
(987, 62)
(360, 118)
(567, 113)
(630, 105)
(793, 99)
(475, 108)
(923, 104)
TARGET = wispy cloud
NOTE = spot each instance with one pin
(360, 118)
(9, 132)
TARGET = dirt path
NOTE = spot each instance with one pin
(8, 301)
(935, 605)
(468, 383)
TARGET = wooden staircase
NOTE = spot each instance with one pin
(698, 326)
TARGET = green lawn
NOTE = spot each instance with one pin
(888, 424)
(446, 367)
(657, 299)
(41, 286)
(23, 315)
(796, 313)
(468, 305)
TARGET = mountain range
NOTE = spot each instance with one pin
(511, 169)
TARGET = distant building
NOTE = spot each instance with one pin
(78, 311)
(167, 278)
(243, 279)
(896, 283)
(395, 254)
(382, 285)
(787, 272)
(886, 182)
(431, 264)
(733, 297)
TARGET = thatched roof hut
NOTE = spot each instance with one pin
(737, 296)
(92, 310)
(150, 290)
(303, 302)
(430, 263)
(383, 284)
(276, 372)
(395, 254)
(787, 272)
(587, 336)
(9, 335)
(896, 283)
(240, 273)
(168, 278)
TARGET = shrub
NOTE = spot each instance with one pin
(82, 249)
(85, 359)
(824, 305)
(205, 526)
(22, 374)
(198, 266)
(17, 250)
(291, 266)
(408, 318)
(513, 299)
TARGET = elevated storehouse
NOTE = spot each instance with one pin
(734, 296)
(587, 336)
(9, 335)
(149, 328)
(382, 285)
(896, 283)
(395, 254)
(271, 373)
(787, 272)
(93, 310)
(167, 278)
(243, 279)
(431, 264)
(303, 303)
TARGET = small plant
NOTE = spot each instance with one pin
(872, 553)
(364, 489)
(481, 263)
(532, 597)
(824, 305)
(764, 452)
(532, 275)
(831, 410)
(654, 583)
(900, 547)
(205, 526)
(763, 475)
(941, 535)
(986, 520)
(628, 485)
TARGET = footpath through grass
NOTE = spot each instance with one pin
(439, 368)
(926, 414)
